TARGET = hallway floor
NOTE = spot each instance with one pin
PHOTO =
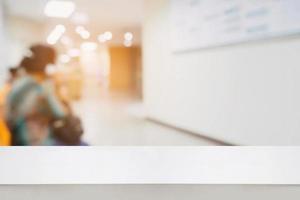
(119, 120)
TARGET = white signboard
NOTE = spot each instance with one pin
(208, 23)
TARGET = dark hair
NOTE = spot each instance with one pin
(41, 56)
(13, 71)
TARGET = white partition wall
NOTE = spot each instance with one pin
(246, 94)
(198, 24)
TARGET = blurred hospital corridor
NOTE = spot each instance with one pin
(149, 72)
(119, 119)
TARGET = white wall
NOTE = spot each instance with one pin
(16, 35)
(3, 49)
(245, 94)
(22, 33)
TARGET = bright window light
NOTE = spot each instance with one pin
(74, 53)
(51, 69)
(56, 34)
(59, 9)
(88, 46)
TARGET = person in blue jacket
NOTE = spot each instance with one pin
(32, 102)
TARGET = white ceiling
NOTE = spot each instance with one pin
(114, 15)
(102, 13)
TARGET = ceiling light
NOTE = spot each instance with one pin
(85, 34)
(127, 43)
(80, 29)
(60, 9)
(80, 18)
(88, 46)
(108, 35)
(128, 36)
(102, 38)
(56, 34)
(64, 58)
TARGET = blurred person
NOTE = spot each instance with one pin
(35, 113)
(5, 135)
(13, 74)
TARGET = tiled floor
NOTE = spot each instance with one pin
(119, 120)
